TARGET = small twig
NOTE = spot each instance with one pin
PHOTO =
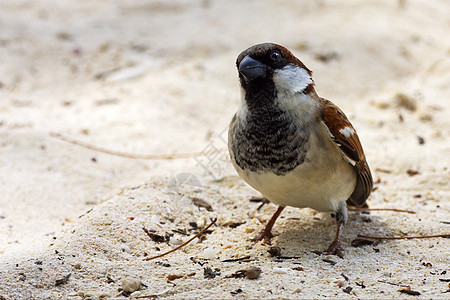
(124, 154)
(404, 237)
(236, 259)
(352, 208)
(185, 243)
(383, 170)
(391, 283)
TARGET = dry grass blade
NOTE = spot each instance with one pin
(124, 154)
(404, 237)
(354, 208)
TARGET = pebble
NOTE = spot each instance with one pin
(330, 280)
(131, 284)
(209, 253)
(135, 294)
(77, 266)
(155, 219)
(201, 222)
(340, 283)
(274, 251)
(125, 248)
(249, 229)
(282, 270)
(252, 272)
(84, 294)
(174, 241)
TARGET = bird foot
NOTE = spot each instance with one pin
(264, 236)
(335, 249)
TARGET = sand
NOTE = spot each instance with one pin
(158, 77)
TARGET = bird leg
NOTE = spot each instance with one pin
(266, 233)
(335, 246)
(341, 220)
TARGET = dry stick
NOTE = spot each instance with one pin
(236, 259)
(403, 237)
(123, 154)
(395, 237)
(380, 209)
(391, 283)
(185, 243)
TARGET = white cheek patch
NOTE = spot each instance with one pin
(292, 79)
(347, 132)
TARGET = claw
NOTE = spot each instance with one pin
(335, 249)
(264, 236)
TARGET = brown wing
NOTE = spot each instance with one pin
(344, 134)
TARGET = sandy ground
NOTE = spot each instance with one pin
(158, 77)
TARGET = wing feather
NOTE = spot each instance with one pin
(344, 134)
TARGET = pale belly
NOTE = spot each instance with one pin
(322, 182)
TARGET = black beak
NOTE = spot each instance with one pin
(251, 69)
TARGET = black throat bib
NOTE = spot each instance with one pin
(268, 140)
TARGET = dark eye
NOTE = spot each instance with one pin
(275, 56)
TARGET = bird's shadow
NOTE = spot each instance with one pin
(297, 233)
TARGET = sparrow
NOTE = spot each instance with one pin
(294, 147)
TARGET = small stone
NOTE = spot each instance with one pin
(135, 294)
(84, 294)
(274, 251)
(193, 224)
(174, 241)
(131, 284)
(282, 270)
(347, 289)
(209, 253)
(249, 229)
(201, 203)
(252, 272)
(63, 280)
(330, 280)
(201, 222)
(208, 273)
(155, 219)
(125, 248)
